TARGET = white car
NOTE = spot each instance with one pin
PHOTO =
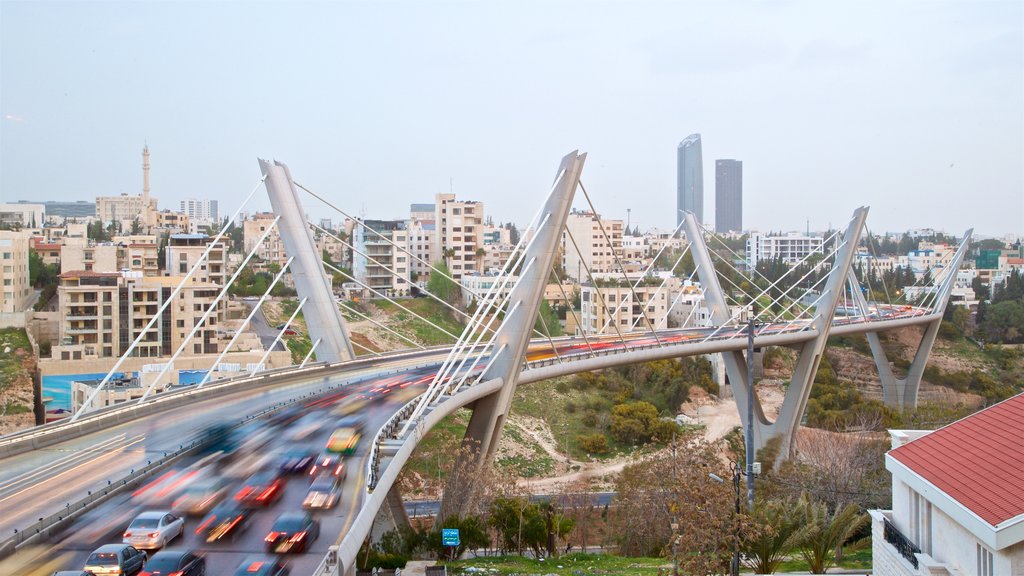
(152, 530)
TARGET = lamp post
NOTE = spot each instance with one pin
(748, 436)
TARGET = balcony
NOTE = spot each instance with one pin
(901, 543)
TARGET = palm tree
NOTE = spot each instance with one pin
(783, 529)
(827, 534)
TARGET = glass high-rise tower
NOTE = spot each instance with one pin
(728, 195)
(689, 178)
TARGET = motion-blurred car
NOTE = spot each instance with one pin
(344, 440)
(324, 492)
(292, 532)
(227, 520)
(262, 566)
(175, 563)
(73, 573)
(200, 497)
(152, 530)
(296, 461)
(115, 560)
(286, 416)
(260, 489)
(329, 462)
(351, 405)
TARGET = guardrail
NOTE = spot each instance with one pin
(54, 523)
(49, 434)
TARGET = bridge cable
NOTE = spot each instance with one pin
(597, 289)
(569, 304)
(310, 353)
(618, 262)
(198, 324)
(644, 274)
(149, 326)
(378, 324)
(244, 325)
(284, 329)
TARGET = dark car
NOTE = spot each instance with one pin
(262, 566)
(292, 532)
(260, 489)
(175, 563)
(73, 573)
(296, 461)
(329, 462)
(286, 416)
(116, 560)
(226, 520)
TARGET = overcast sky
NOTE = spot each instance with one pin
(915, 108)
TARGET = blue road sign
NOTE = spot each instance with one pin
(450, 536)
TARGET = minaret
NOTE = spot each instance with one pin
(145, 173)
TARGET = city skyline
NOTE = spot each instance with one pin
(491, 113)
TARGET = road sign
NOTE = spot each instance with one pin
(450, 536)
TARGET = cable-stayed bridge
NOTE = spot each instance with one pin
(48, 469)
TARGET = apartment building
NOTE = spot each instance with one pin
(460, 233)
(48, 251)
(595, 253)
(204, 210)
(101, 314)
(89, 256)
(376, 261)
(185, 250)
(422, 240)
(954, 510)
(22, 215)
(15, 289)
(272, 249)
(620, 309)
(791, 247)
(167, 220)
(480, 285)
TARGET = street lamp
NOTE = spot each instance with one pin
(735, 567)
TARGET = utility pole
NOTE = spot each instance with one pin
(748, 436)
(736, 521)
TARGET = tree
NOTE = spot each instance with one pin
(631, 422)
(441, 284)
(783, 530)
(472, 535)
(657, 492)
(547, 321)
(827, 534)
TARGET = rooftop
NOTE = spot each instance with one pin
(977, 461)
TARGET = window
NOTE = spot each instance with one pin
(985, 561)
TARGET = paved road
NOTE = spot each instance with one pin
(265, 331)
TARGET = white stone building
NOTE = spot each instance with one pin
(957, 499)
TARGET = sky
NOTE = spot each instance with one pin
(915, 108)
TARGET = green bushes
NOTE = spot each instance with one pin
(593, 443)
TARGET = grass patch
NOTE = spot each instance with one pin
(569, 412)
(11, 365)
(535, 466)
(435, 454)
(566, 565)
(15, 408)
(299, 345)
(412, 327)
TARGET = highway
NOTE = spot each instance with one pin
(36, 484)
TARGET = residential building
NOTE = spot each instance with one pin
(791, 247)
(423, 242)
(460, 233)
(957, 498)
(167, 220)
(126, 388)
(90, 256)
(101, 314)
(481, 285)
(15, 289)
(22, 215)
(689, 178)
(184, 251)
(200, 209)
(597, 252)
(728, 195)
(496, 235)
(48, 251)
(620, 310)
(377, 262)
(272, 249)
(79, 209)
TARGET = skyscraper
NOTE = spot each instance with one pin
(689, 178)
(728, 195)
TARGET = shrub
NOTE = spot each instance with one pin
(593, 443)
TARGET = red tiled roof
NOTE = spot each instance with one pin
(977, 461)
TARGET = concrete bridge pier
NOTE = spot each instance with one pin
(513, 336)
(809, 354)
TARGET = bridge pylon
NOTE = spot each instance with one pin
(901, 393)
(513, 336)
(809, 353)
(323, 318)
